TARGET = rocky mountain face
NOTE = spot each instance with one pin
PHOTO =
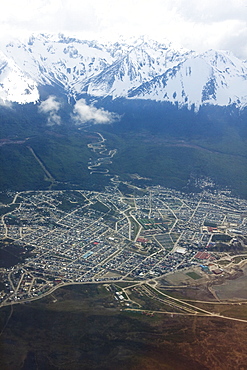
(140, 69)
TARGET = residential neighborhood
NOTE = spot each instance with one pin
(53, 238)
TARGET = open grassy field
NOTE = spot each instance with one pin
(78, 327)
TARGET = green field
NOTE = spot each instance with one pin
(100, 207)
(193, 275)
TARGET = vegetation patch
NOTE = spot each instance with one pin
(193, 275)
(98, 206)
(221, 238)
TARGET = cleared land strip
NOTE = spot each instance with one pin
(49, 176)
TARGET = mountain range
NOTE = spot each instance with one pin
(138, 69)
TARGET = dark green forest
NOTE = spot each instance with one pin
(158, 141)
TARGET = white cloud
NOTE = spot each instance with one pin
(53, 119)
(19, 18)
(83, 113)
(51, 106)
(210, 10)
(6, 103)
(193, 23)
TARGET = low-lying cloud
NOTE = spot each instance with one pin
(83, 113)
(51, 106)
(5, 103)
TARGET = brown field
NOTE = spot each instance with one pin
(232, 289)
(77, 327)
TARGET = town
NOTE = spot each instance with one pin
(53, 238)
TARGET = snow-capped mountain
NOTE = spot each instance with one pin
(140, 69)
(16, 85)
(140, 65)
(210, 78)
(60, 60)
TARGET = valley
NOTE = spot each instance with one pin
(78, 159)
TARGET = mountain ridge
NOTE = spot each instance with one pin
(143, 69)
